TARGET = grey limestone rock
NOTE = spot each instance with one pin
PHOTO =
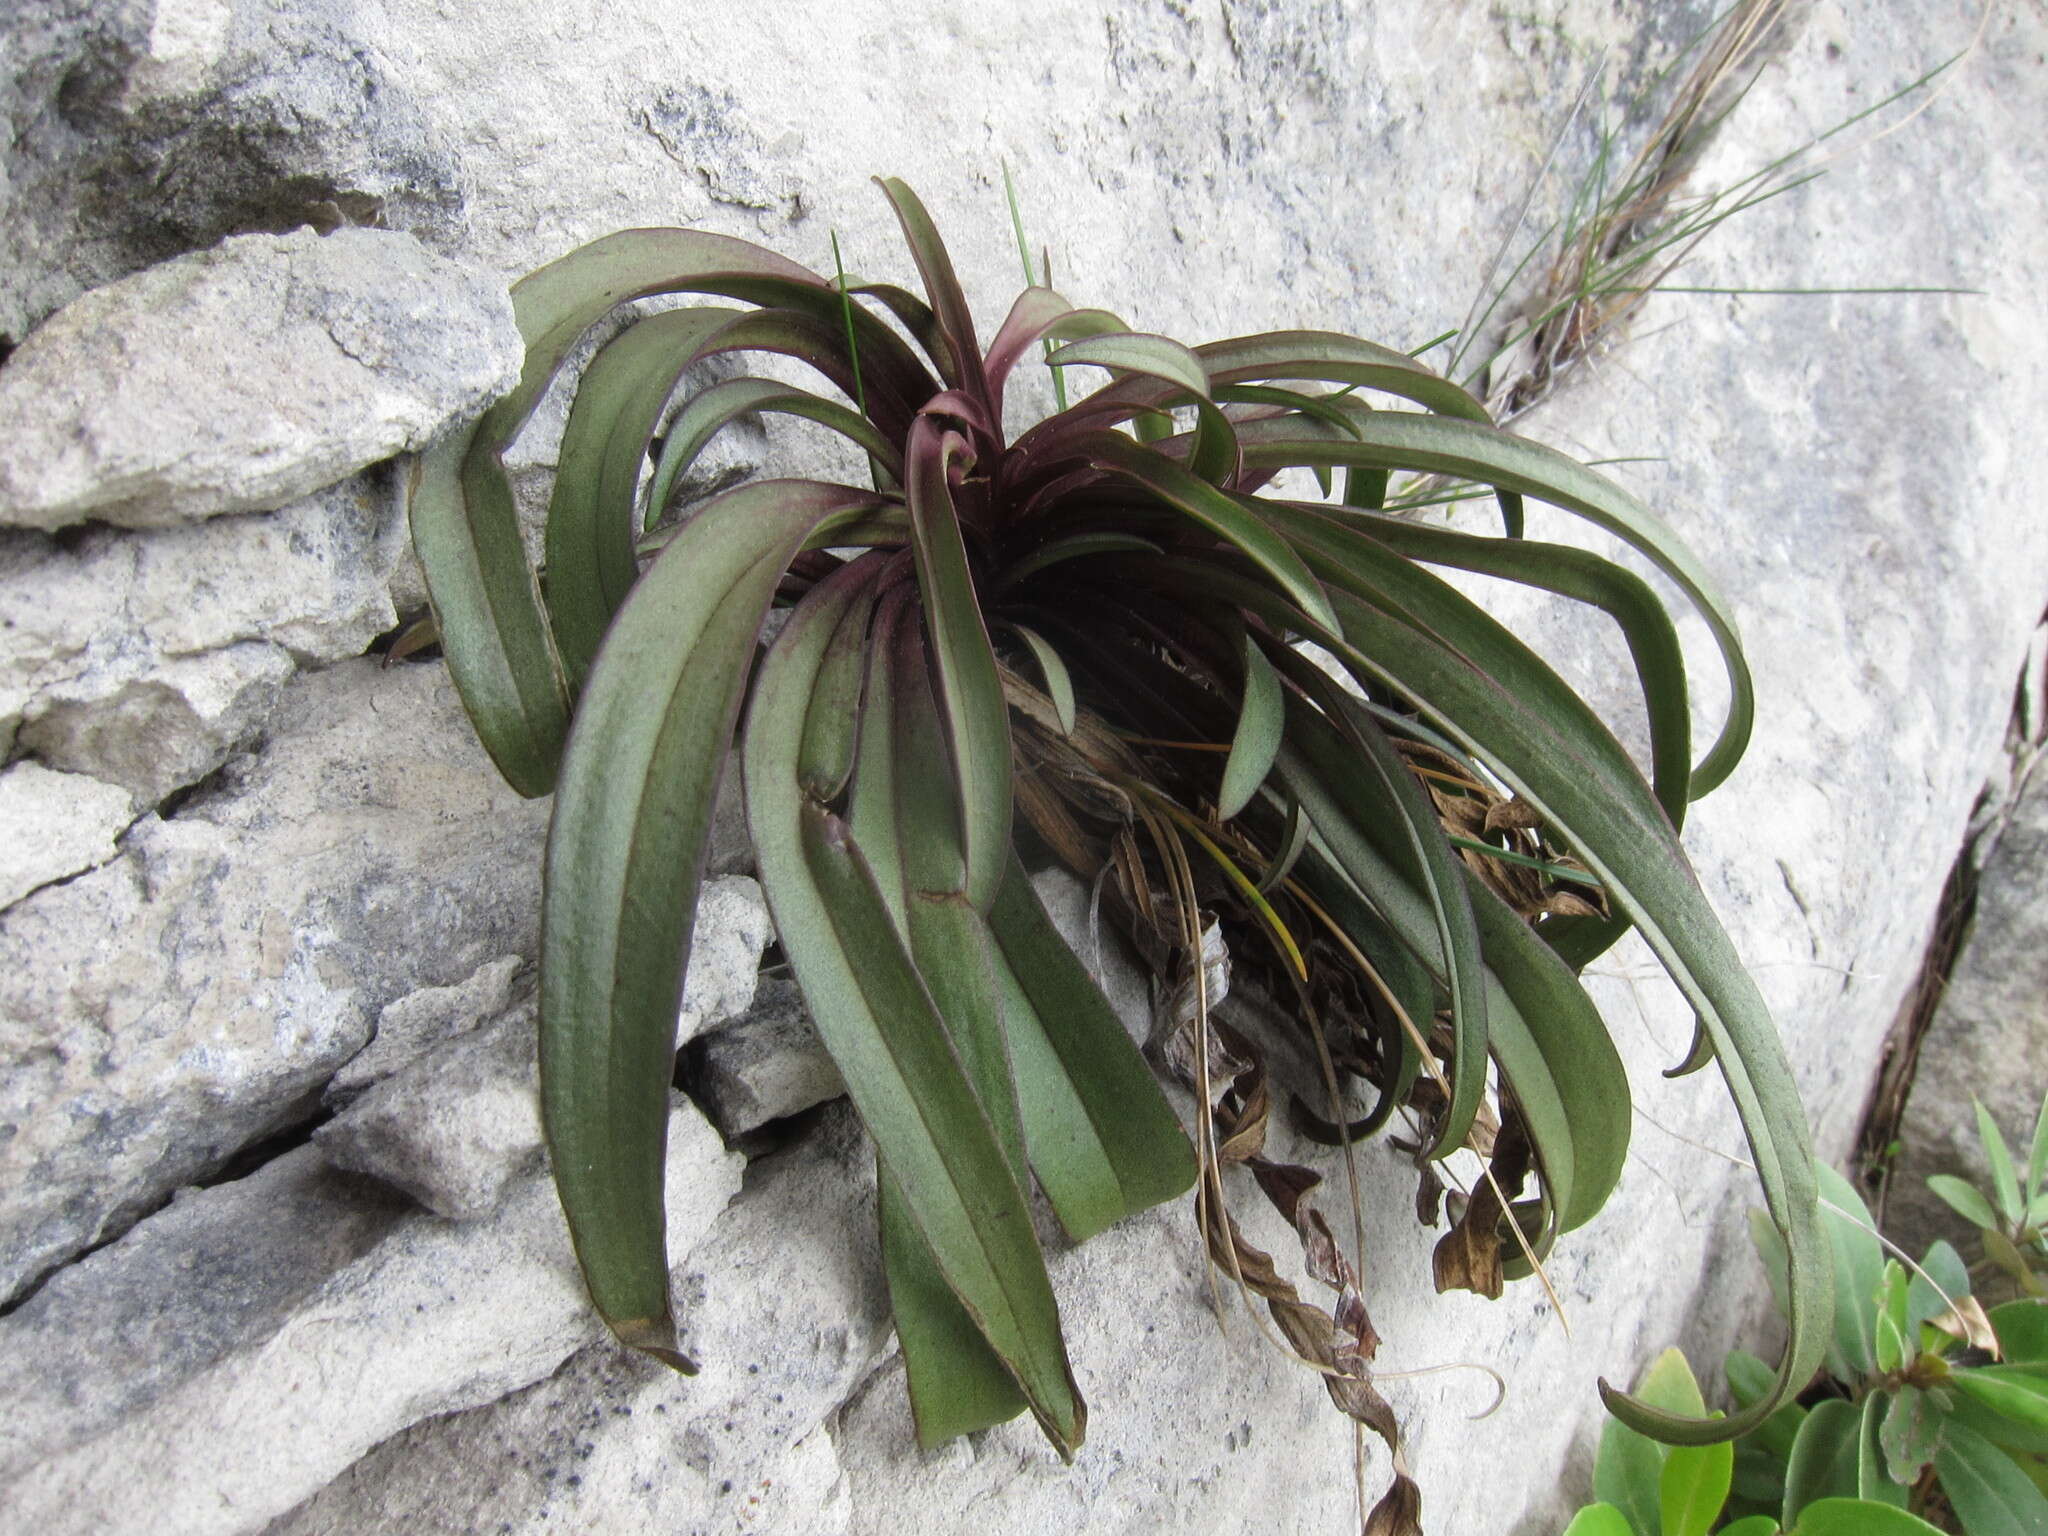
(146, 658)
(764, 1065)
(782, 1305)
(207, 1380)
(456, 1128)
(246, 376)
(1989, 1036)
(55, 825)
(415, 1024)
(195, 993)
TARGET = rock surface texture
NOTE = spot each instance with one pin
(278, 1251)
(1988, 1039)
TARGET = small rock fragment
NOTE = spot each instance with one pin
(54, 825)
(766, 1065)
(246, 376)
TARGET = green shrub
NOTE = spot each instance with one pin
(1084, 641)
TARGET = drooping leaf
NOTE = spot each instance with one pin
(971, 699)
(1101, 1137)
(625, 850)
(892, 1048)
(591, 526)
(1637, 860)
(1474, 451)
(717, 405)
(958, 1383)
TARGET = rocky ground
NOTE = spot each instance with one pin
(277, 1249)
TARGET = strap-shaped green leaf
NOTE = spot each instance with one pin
(1261, 717)
(488, 611)
(465, 529)
(1557, 1059)
(591, 526)
(884, 1031)
(976, 715)
(948, 301)
(625, 852)
(1335, 358)
(1059, 683)
(717, 405)
(1102, 1139)
(1475, 451)
(1395, 813)
(1223, 515)
(1584, 577)
(957, 1383)
(1040, 315)
(1346, 553)
(1212, 456)
(1636, 856)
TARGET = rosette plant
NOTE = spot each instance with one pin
(1114, 641)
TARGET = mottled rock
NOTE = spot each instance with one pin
(454, 1129)
(171, 728)
(732, 928)
(418, 1022)
(245, 377)
(190, 996)
(1989, 1036)
(424, 1317)
(766, 1065)
(783, 1306)
(145, 658)
(53, 826)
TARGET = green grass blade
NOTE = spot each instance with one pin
(625, 850)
